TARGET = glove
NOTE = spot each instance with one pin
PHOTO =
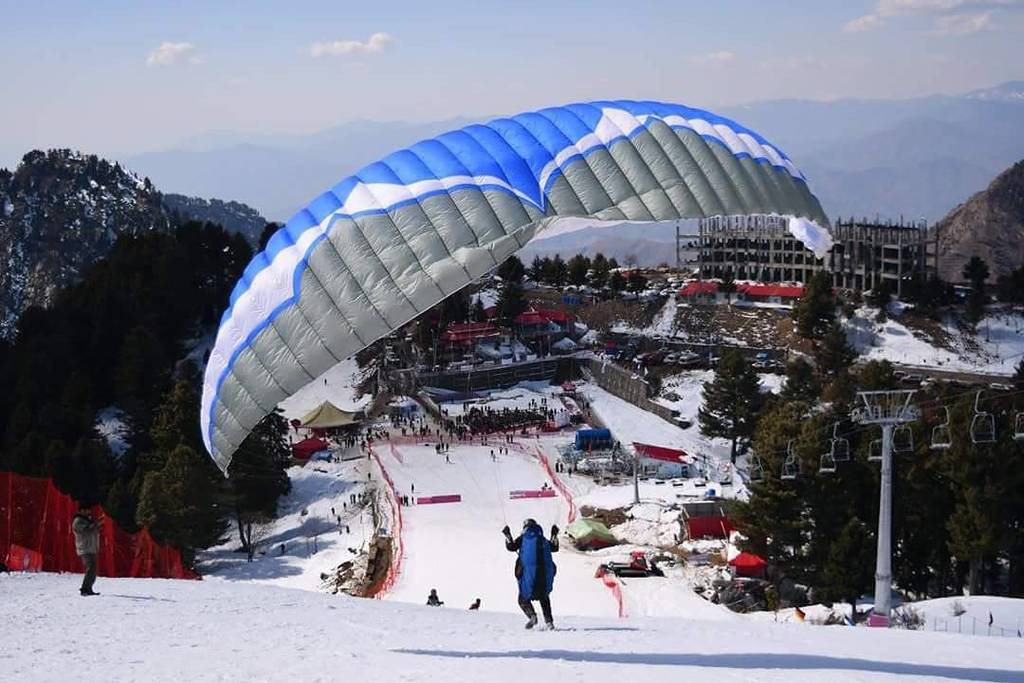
(554, 530)
(506, 531)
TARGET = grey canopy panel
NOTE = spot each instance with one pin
(396, 238)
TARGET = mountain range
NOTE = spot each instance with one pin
(990, 224)
(61, 211)
(916, 157)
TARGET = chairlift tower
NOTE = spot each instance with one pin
(889, 410)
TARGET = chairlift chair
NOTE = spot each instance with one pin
(839, 451)
(902, 439)
(755, 470)
(983, 424)
(827, 464)
(875, 451)
(790, 468)
(941, 437)
(1018, 427)
(791, 465)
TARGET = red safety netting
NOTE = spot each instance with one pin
(35, 517)
(398, 551)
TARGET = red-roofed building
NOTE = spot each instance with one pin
(542, 322)
(706, 292)
(468, 334)
(662, 461)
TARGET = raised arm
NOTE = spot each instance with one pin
(512, 545)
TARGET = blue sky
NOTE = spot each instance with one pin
(122, 77)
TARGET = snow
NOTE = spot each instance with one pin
(111, 427)
(303, 515)
(487, 297)
(996, 349)
(158, 630)
(665, 322)
(940, 614)
(337, 385)
(629, 423)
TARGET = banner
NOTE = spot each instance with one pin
(430, 500)
(539, 493)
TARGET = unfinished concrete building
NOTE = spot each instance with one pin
(761, 248)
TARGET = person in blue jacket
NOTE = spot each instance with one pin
(535, 569)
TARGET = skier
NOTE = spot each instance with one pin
(87, 545)
(433, 600)
(475, 605)
(535, 569)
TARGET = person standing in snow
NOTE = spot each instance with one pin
(475, 605)
(87, 545)
(535, 569)
(433, 600)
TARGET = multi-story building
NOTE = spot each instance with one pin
(761, 248)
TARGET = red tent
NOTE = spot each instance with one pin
(749, 565)
(304, 450)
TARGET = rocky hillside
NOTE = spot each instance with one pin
(990, 225)
(60, 211)
(232, 216)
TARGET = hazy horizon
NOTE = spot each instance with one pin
(118, 79)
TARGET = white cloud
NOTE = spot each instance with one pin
(964, 24)
(376, 43)
(713, 58)
(949, 17)
(865, 23)
(169, 54)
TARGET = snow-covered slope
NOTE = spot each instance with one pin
(995, 349)
(155, 630)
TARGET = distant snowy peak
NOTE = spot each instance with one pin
(1011, 91)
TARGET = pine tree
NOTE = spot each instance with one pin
(599, 273)
(731, 402)
(536, 269)
(556, 272)
(801, 384)
(511, 302)
(728, 286)
(636, 282)
(815, 311)
(512, 269)
(178, 503)
(616, 282)
(772, 519)
(257, 477)
(833, 353)
(578, 267)
(976, 273)
(849, 570)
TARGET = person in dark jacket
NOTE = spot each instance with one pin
(87, 545)
(535, 569)
(475, 605)
(433, 600)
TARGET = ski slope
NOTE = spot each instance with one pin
(161, 630)
(458, 549)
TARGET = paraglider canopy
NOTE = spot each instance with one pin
(402, 234)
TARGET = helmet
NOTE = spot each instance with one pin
(529, 521)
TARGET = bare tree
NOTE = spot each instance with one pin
(254, 529)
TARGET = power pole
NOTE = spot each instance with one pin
(888, 409)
